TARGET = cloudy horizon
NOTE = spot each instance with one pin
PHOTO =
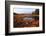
(24, 10)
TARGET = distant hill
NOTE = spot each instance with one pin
(22, 14)
(14, 13)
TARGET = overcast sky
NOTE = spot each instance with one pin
(23, 10)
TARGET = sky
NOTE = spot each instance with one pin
(23, 10)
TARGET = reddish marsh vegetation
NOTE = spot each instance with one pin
(26, 20)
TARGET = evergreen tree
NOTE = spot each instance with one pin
(37, 11)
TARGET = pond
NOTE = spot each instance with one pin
(27, 18)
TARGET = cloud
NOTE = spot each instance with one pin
(24, 10)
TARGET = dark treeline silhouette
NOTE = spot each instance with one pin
(15, 14)
(37, 11)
